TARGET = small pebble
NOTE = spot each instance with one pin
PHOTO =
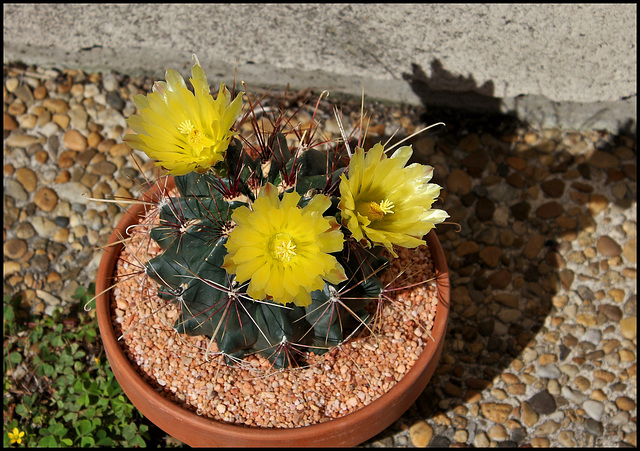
(421, 434)
(594, 409)
(74, 140)
(15, 248)
(628, 326)
(625, 403)
(498, 433)
(46, 199)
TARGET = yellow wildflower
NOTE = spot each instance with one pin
(385, 201)
(182, 131)
(15, 436)
(284, 250)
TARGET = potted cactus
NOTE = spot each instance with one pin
(269, 249)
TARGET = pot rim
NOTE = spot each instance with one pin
(392, 399)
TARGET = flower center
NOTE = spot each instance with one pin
(282, 247)
(195, 137)
(375, 211)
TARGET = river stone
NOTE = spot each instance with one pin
(594, 409)
(549, 371)
(72, 192)
(24, 231)
(612, 312)
(553, 188)
(543, 403)
(592, 336)
(630, 250)
(496, 412)
(608, 247)
(27, 121)
(521, 210)
(550, 210)
(13, 189)
(597, 203)
(476, 162)
(625, 403)
(40, 93)
(485, 209)
(102, 168)
(61, 120)
(119, 150)
(594, 427)
(114, 100)
(83, 158)
(421, 434)
(604, 160)
(498, 433)
(500, 279)
(44, 227)
(533, 246)
(458, 182)
(24, 93)
(528, 415)
(27, 177)
(46, 199)
(573, 395)
(466, 248)
(14, 248)
(490, 255)
(56, 105)
(22, 140)
(74, 140)
(628, 326)
(9, 123)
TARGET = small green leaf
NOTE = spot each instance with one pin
(47, 369)
(58, 429)
(9, 314)
(129, 431)
(22, 411)
(87, 441)
(48, 441)
(70, 417)
(15, 358)
(84, 427)
(83, 400)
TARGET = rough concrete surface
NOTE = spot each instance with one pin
(550, 64)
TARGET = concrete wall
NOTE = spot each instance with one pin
(570, 65)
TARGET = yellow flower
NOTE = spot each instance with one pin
(15, 436)
(182, 131)
(385, 201)
(284, 250)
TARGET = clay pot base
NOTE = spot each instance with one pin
(190, 372)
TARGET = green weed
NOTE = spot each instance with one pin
(58, 387)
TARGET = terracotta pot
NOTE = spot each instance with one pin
(186, 426)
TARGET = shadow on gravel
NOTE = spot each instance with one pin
(523, 203)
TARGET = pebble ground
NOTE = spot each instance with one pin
(541, 348)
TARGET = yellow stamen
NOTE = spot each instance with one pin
(387, 206)
(375, 211)
(282, 247)
(195, 136)
(186, 127)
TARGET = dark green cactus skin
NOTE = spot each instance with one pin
(191, 235)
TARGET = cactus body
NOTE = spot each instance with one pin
(192, 233)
